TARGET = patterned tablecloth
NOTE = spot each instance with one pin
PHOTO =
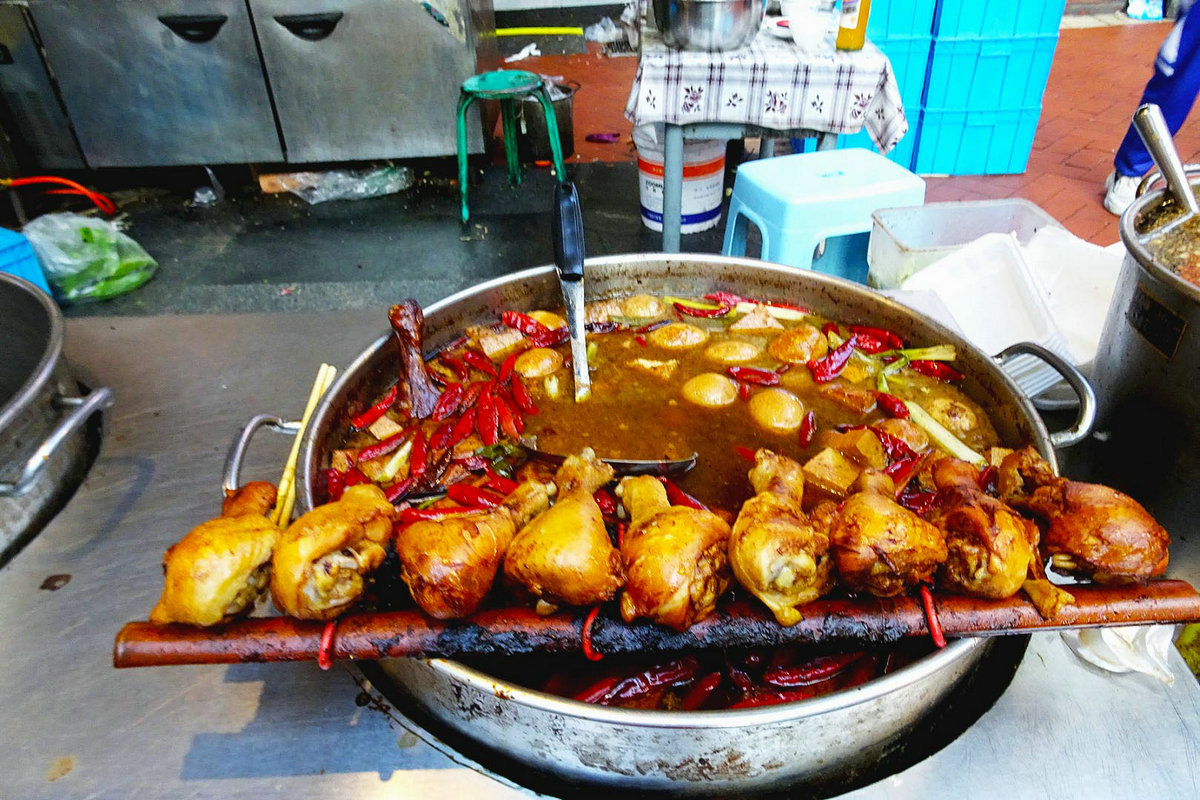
(771, 84)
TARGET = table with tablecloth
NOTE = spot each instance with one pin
(771, 88)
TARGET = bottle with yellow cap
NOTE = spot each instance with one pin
(852, 28)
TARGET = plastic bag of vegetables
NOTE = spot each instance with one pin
(86, 259)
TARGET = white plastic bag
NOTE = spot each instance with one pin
(87, 258)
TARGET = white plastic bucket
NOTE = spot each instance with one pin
(703, 180)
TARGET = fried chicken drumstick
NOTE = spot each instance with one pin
(220, 569)
(776, 550)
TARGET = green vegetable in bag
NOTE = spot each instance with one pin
(86, 258)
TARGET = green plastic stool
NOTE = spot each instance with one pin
(507, 86)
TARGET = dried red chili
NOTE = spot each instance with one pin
(458, 365)
(418, 457)
(550, 338)
(396, 492)
(510, 419)
(506, 368)
(641, 340)
(708, 313)
(931, 617)
(385, 446)
(480, 362)
(472, 496)
(523, 322)
(701, 691)
(335, 483)
(812, 671)
(601, 327)
(919, 503)
(653, 326)
(869, 344)
(829, 367)
(726, 298)
(368, 417)
(892, 406)
(679, 497)
(521, 396)
(808, 429)
(447, 404)
(989, 479)
(498, 482)
(607, 503)
(771, 698)
(896, 448)
(745, 452)
(743, 390)
(325, 650)
(440, 439)
(462, 428)
(411, 515)
(893, 341)
(487, 418)
(761, 377)
(588, 651)
(937, 369)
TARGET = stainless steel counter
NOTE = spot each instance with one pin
(75, 727)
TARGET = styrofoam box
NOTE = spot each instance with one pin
(906, 240)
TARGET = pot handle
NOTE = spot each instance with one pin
(237, 451)
(81, 409)
(1087, 397)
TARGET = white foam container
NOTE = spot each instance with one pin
(703, 180)
(906, 240)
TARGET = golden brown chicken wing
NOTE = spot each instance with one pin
(776, 550)
(676, 558)
(564, 555)
(450, 564)
(990, 547)
(883, 548)
(1090, 529)
(323, 558)
(220, 569)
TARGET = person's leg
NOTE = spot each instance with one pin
(1173, 88)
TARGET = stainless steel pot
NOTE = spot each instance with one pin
(1145, 374)
(708, 24)
(42, 446)
(717, 752)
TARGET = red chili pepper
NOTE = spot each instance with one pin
(869, 344)
(892, 406)
(588, 651)
(521, 396)
(458, 365)
(783, 368)
(989, 478)
(447, 404)
(471, 394)
(601, 327)
(808, 429)
(743, 390)
(678, 497)
(506, 368)
(896, 448)
(901, 471)
(641, 340)
(396, 491)
(893, 341)
(761, 377)
(411, 515)
(462, 428)
(708, 313)
(510, 420)
(919, 503)
(672, 673)
(335, 483)
(498, 482)
(937, 369)
(418, 458)
(813, 671)
(385, 446)
(550, 338)
(653, 326)
(522, 322)
(726, 298)
(935, 625)
(472, 496)
(487, 419)
(473, 462)
(701, 691)
(325, 650)
(829, 367)
(354, 476)
(368, 417)
(621, 528)
(606, 502)
(598, 691)
(764, 698)
(480, 362)
(440, 439)
(745, 452)
(830, 327)
(792, 306)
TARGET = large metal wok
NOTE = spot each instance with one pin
(718, 752)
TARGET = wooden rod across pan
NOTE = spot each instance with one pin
(373, 635)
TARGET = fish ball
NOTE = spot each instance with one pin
(799, 345)
(679, 336)
(538, 362)
(733, 351)
(710, 390)
(777, 410)
(549, 319)
(643, 305)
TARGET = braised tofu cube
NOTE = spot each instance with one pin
(659, 369)
(862, 446)
(496, 344)
(384, 427)
(860, 401)
(758, 320)
(830, 473)
(342, 460)
(994, 455)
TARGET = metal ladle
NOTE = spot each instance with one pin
(568, 257)
(1152, 127)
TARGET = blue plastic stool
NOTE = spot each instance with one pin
(797, 201)
(17, 258)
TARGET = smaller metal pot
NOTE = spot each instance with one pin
(708, 24)
(42, 448)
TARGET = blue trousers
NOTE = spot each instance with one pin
(1173, 88)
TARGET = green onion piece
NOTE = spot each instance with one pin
(947, 440)
(393, 464)
(881, 382)
(939, 352)
(693, 303)
(592, 350)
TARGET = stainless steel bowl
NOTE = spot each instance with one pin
(708, 24)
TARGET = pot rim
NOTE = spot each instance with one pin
(1131, 239)
(42, 373)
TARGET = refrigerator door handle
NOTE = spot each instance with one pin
(310, 27)
(197, 29)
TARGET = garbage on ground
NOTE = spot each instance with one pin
(86, 258)
(339, 184)
(528, 51)
(603, 138)
(1140, 648)
(604, 31)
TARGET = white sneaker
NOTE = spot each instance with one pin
(1120, 191)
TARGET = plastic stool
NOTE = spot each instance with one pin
(507, 86)
(797, 201)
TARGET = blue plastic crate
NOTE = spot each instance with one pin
(961, 142)
(900, 18)
(17, 258)
(955, 18)
(989, 73)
